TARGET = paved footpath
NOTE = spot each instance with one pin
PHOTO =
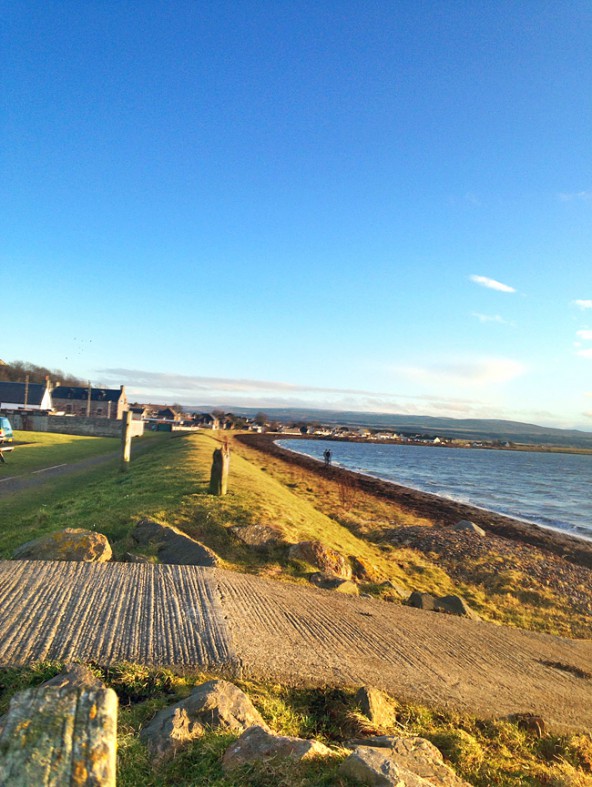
(186, 616)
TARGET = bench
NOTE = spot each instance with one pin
(5, 449)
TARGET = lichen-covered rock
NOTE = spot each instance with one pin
(258, 744)
(327, 560)
(372, 766)
(468, 527)
(261, 537)
(173, 546)
(376, 705)
(59, 736)
(69, 544)
(365, 571)
(392, 590)
(130, 557)
(216, 704)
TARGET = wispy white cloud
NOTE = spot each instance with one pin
(483, 371)
(585, 353)
(583, 304)
(197, 391)
(489, 318)
(570, 196)
(491, 284)
(586, 335)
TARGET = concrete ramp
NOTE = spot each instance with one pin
(185, 616)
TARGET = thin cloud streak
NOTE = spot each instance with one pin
(584, 334)
(484, 371)
(583, 304)
(585, 353)
(491, 284)
(575, 195)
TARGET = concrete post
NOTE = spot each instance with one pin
(219, 474)
(126, 440)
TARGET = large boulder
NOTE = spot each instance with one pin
(455, 605)
(75, 676)
(451, 605)
(409, 762)
(365, 571)
(259, 745)
(468, 527)
(260, 537)
(216, 704)
(69, 544)
(421, 601)
(376, 705)
(330, 582)
(173, 546)
(327, 560)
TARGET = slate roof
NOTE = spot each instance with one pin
(81, 393)
(15, 393)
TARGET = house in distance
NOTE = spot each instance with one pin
(88, 401)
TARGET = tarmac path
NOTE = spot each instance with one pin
(187, 616)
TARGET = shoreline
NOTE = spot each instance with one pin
(442, 511)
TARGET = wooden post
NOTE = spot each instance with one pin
(126, 440)
(219, 474)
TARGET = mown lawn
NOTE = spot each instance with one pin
(37, 450)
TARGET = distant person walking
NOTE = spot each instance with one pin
(327, 457)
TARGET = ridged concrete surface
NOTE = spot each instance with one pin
(111, 611)
(188, 616)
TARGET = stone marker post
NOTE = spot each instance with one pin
(219, 474)
(126, 440)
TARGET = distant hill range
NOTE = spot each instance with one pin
(460, 428)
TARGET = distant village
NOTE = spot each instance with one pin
(90, 402)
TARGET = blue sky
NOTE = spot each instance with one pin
(368, 205)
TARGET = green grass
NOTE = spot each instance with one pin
(37, 450)
(484, 752)
(103, 499)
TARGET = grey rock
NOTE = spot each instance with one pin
(421, 601)
(70, 544)
(373, 767)
(173, 546)
(327, 560)
(329, 582)
(394, 589)
(455, 605)
(376, 705)
(258, 744)
(468, 527)
(130, 557)
(262, 537)
(76, 676)
(407, 762)
(216, 704)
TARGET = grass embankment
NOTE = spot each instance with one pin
(486, 753)
(169, 484)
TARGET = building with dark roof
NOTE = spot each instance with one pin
(88, 401)
(25, 396)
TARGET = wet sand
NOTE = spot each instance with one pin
(439, 510)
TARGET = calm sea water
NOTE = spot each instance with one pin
(552, 490)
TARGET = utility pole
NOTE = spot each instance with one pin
(26, 402)
(88, 400)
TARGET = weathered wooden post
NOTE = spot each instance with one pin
(219, 474)
(126, 440)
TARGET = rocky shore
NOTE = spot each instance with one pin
(437, 509)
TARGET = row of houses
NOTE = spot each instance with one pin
(63, 399)
(90, 402)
